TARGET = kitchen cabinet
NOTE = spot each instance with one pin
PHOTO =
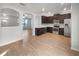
(61, 21)
(46, 19)
(61, 31)
(67, 16)
(50, 29)
(39, 31)
(60, 17)
(57, 16)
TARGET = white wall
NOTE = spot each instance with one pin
(75, 27)
(0, 28)
(10, 34)
(0, 31)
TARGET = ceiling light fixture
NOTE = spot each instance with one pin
(4, 14)
(26, 15)
(43, 9)
(4, 21)
(49, 12)
(65, 9)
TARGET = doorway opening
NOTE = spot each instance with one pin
(26, 24)
(27, 28)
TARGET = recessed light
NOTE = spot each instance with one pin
(65, 9)
(49, 12)
(4, 21)
(23, 17)
(4, 14)
(26, 15)
(43, 9)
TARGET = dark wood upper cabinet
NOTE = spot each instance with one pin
(59, 17)
(50, 19)
(62, 16)
(67, 16)
(46, 19)
(61, 21)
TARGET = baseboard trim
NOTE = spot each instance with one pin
(74, 49)
(3, 44)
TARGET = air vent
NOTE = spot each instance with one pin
(22, 4)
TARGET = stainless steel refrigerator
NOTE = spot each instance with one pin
(67, 27)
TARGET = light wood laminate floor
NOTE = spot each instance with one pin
(44, 45)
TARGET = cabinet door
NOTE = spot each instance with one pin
(39, 31)
(61, 21)
(49, 20)
(61, 31)
(67, 16)
(49, 29)
(44, 19)
(57, 16)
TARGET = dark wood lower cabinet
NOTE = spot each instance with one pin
(50, 29)
(39, 31)
(61, 31)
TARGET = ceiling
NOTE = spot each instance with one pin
(37, 7)
(49, 7)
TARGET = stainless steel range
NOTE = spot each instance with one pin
(56, 27)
